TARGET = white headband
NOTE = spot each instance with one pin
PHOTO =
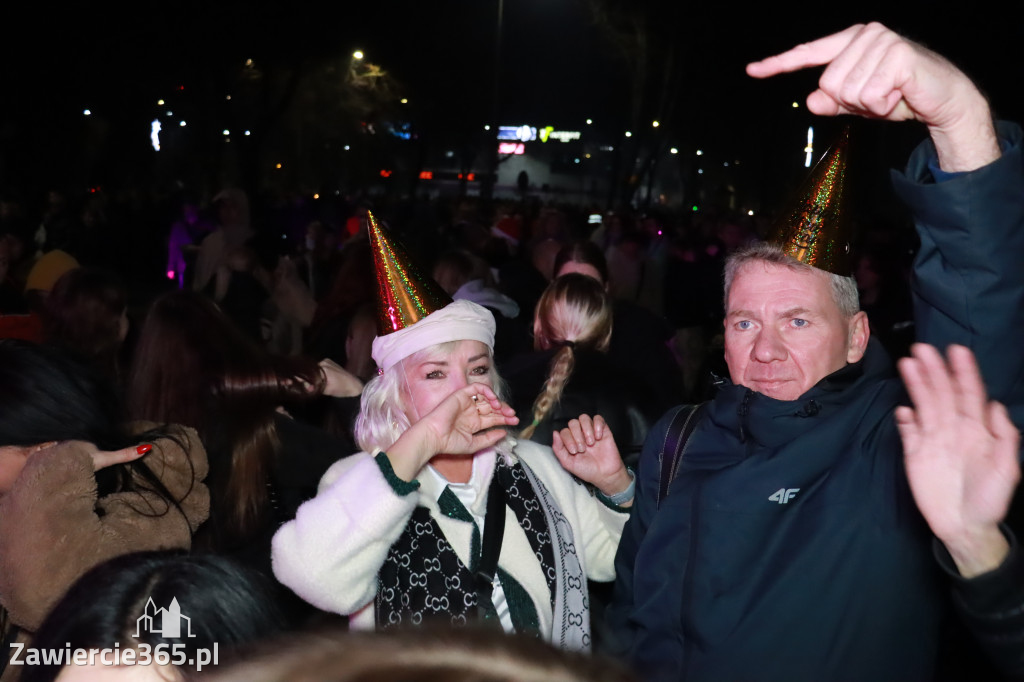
(457, 321)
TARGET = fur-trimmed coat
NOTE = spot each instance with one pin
(53, 528)
(331, 553)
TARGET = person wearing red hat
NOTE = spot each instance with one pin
(445, 517)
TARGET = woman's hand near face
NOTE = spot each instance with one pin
(459, 425)
(587, 450)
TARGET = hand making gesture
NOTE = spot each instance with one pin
(961, 453)
(873, 72)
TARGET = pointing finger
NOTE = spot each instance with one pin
(814, 53)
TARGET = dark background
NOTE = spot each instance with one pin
(558, 66)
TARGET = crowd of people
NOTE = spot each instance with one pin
(525, 446)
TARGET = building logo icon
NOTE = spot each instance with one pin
(166, 622)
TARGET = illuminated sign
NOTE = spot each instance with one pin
(549, 133)
(511, 148)
(520, 133)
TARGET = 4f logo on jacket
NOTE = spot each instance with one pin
(783, 495)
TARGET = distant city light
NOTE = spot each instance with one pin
(629, 134)
(700, 171)
(404, 100)
(248, 62)
(229, 97)
(358, 54)
(487, 127)
(87, 112)
(655, 124)
(750, 213)
(154, 134)
(316, 196)
(226, 132)
(700, 152)
(170, 113)
(796, 105)
(170, 274)
(448, 154)
(247, 133)
(590, 121)
(517, 148)
(182, 124)
(278, 166)
(725, 165)
(577, 160)
(347, 147)
(673, 151)
(587, 155)
(159, 102)
(694, 208)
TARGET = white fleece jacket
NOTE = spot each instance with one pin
(331, 553)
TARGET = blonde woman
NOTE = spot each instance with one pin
(572, 327)
(444, 517)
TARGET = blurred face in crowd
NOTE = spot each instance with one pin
(434, 374)
(784, 331)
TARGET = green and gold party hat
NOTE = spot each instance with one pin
(405, 294)
(814, 229)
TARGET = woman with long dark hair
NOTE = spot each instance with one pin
(193, 366)
(78, 486)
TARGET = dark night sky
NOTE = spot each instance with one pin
(556, 67)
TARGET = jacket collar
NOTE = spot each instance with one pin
(754, 419)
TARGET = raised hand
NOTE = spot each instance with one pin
(339, 382)
(587, 450)
(961, 453)
(464, 423)
(873, 72)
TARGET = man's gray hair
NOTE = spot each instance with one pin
(844, 289)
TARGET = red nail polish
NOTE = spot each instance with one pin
(144, 448)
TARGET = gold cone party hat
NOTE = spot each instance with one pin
(405, 295)
(814, 228)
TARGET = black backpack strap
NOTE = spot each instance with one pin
(490, 546)
(676, 438)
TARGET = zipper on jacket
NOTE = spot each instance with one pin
(742, 412)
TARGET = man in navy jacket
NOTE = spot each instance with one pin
(791, 546)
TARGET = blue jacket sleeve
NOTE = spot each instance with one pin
(968, 281)
(992, 606)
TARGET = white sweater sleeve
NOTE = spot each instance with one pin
(331, 553)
